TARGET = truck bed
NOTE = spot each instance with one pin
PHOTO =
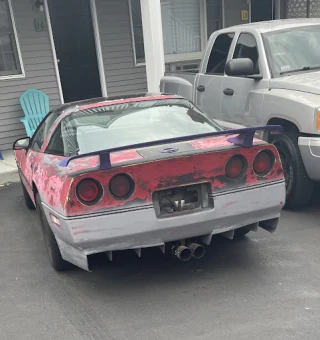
(179, 82)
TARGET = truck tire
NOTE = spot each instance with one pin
(56, 260)
(299, 187)
(27, 199)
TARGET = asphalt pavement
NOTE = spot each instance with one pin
(265, 287)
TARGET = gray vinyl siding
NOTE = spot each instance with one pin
(39, 69)
(122, 76)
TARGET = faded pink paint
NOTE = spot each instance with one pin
(163, 174)
(56, 185)
(124, 156)
(87, 164)
(214, 142)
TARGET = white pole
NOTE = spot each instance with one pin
(95, 24)
(277, 11)
(153, 42)
(53, 49)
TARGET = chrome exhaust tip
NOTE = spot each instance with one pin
(197, 250)
(183, 253)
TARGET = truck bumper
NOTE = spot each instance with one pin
(310, 153)
(135, 229)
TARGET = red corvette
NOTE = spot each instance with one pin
(145, 171)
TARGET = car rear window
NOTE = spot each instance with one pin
(119, 125)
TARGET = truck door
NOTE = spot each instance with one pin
(239, 106)
(209, 82)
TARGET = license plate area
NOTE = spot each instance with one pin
(182, 200)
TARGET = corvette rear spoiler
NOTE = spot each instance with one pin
(244, 139)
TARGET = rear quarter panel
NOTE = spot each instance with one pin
(50, 181)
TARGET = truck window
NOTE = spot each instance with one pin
(246, 47)
(219, 53)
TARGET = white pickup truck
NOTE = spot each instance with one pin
(259, 74)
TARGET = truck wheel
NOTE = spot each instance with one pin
(299, 187)
(57, 262)
(26, 196)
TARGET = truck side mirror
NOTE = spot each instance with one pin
(239, 67)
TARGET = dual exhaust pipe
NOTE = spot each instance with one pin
(185, 253)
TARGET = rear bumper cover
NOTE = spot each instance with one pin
(310, 153)
(135, 229)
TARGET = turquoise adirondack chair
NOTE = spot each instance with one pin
(35, 106)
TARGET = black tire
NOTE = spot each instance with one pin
(299, 187)
(241, 232)
(27, 199)
(56, 260)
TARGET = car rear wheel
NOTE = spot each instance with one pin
(27, 198)
(57, 262)
(299, 188)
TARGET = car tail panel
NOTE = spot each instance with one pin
(199, 176)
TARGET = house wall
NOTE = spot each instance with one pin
(122, 76)
(39, 69)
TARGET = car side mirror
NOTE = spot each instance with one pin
(21, 144)
(239, 67)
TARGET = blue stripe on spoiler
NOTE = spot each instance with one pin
(244, 139)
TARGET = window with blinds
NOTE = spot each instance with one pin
(181, 22)
(9, 59)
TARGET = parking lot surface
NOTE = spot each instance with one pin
(265, 286)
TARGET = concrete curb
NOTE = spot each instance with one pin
(9, 177)
(8, 168)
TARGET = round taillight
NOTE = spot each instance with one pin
(235, 166)
(263, 163)
(121, 186)
(89, 191)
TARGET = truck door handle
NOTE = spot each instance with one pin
(201, 88)
(228, 92)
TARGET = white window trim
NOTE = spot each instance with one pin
(53, 50)
(181, 57)
(22, 74)
(96, 32)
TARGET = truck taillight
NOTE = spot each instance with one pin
(263, 163)
(121, 186)
(236, 166)
(89, 191)
(318, 121)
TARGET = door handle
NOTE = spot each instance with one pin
(228, 92)
(201, 88)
